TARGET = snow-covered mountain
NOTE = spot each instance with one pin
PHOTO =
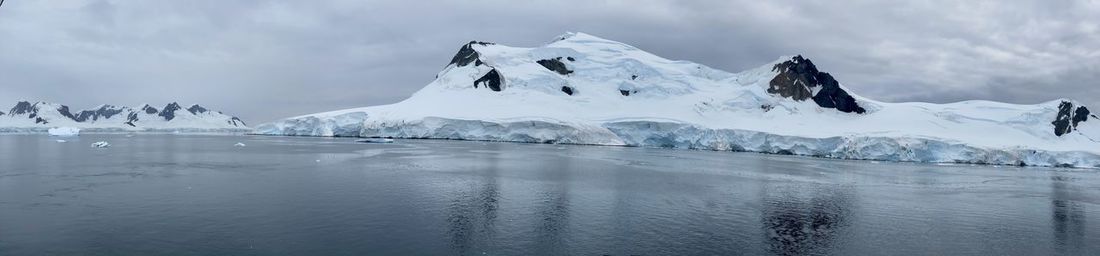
(581, 89)
(40, 116)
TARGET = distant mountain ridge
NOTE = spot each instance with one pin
(26, 116)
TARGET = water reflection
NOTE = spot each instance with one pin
(468, 198)
(473, 210)
(1068, 215)
(553, 211)
(801, 222)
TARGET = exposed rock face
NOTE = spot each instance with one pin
(64, 110)
(105, 111)
(196, 109)
(22, 107)
(1068, 118)
(149, 109)
(169, 111)
(1, 113)
(798, 79)
(567, 90)
(1080, 115)
(491, 80)
(236, 122)
(131, 118)
(467, 55)
(555, 65)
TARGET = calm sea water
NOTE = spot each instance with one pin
(200, 195)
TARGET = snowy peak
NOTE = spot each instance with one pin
(799, 79)
(149, 109)
(41, 114)
(1069, 117)
(23, 107)
(196, 109)
(32, 111)
(467, 55)
(573, 64)
(563, 37)
(169, 111)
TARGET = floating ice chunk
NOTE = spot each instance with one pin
(61, 141)
(239, 144)
(375, 140)
(64, 131)
(101, 144)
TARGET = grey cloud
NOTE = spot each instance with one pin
(266, 59)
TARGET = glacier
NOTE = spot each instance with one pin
(64, 131)
(582, 89)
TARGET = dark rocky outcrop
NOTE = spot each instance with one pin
(1069, 117)
(798, 78)
(491, 80)
(567, 90)
(39, 120)
(467, 55)
(1063, 121)
(236, 122)
(196, 109)
(1080, 115)
(104, 112)
(130, 119)
(169, 111)
(149, 109)
(626, 92)
(555, 65)
(64, 111)
(570, 59)
(22, 107)
(1, 113)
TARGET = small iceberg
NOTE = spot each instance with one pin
(101, 144)
(375, 140)
(239, 144)
(61, 141)
(64, 131)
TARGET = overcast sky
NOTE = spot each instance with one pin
(265, 59)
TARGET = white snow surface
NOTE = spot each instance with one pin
(182, 120)
(64, 131)
(681, 104)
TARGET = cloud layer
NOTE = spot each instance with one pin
(267, 59)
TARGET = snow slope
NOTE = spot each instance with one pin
(581, 89)
(27, 117)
